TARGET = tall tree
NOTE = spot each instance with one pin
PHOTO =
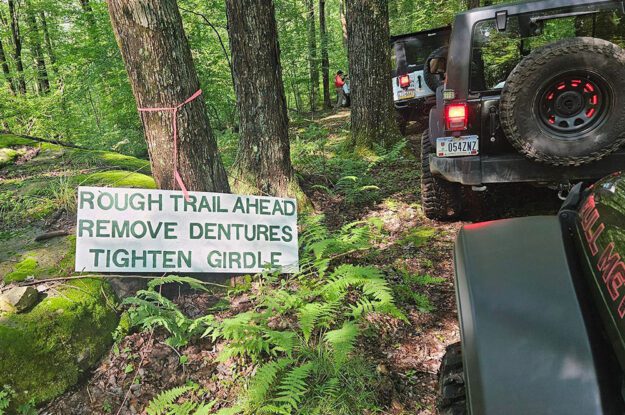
(163, 75)
(343, 18)
(263, 161)
(46, 38)
(312, 53)
(17, 47)
(373, 119)
(325, 61)
(43, 83)
(5, 67)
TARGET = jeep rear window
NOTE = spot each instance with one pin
(416, 50)
(495, 54)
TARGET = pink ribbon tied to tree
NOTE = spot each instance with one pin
(174, 112)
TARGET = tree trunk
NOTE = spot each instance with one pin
(5, 67)
(263, 161)
(17, 48)
(343, 20)
(43, 83)
(162, 74)
(47, 39)
(325, 62)
(312, 54)
(373, 119)
(472, 4)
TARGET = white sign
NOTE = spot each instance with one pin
(140, 230)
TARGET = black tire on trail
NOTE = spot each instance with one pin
(452, 392)
(564, 104)
(433, 81)
(441, 200)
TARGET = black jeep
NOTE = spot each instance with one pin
(534, 93)
(541, 302)
(414, 88)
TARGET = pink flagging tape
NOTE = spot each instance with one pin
(174, 111)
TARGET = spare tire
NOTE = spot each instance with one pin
(564, 104)
(433, 81)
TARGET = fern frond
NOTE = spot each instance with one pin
(162, 403)
(308, 316)
(174, 279)
(293, 386)
(342, 341)
(265, 378)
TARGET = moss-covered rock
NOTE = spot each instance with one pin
(7, 156)
(10, 140)
(45, 351)
(23, 269)
(117, 178)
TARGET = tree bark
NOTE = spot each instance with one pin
(263, 161)
(472, 4)
(162, 74)
(17, 48)
(47, 39)
(5, 67)
(43, 83)
(372, 116)
(343, 21)
(312, 54)
(325, 61)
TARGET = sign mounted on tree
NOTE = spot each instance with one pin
(140, 230)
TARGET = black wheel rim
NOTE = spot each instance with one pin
(572, 104)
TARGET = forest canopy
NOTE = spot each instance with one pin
(69, 45)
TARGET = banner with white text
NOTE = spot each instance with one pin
(153, 231)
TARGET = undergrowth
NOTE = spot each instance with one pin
(302, 333)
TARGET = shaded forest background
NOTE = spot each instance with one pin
(64, 78)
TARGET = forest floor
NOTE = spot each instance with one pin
(345, 190)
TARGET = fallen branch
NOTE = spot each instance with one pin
(80, 277)
(50, 235)
(49, 141)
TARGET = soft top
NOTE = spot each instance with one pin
(421, 33)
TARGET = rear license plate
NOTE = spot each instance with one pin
(468, 145)
(406, 95)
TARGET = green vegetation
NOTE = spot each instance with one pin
(311, 362)
(23, 269)
(45, 351)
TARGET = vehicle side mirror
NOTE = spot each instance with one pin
(437, 66)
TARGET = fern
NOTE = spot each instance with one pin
(303, 359)
(342, 341)
(264, 379)
(293, 387)
(163, 402)
(174, 279)
(149, 309)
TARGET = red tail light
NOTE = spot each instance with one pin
(456, 117)
(404, 81)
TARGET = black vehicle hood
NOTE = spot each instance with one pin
(526, 347)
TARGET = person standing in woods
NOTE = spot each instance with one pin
(339, 83)
(182, 147)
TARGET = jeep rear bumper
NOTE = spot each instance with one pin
(514, 168)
